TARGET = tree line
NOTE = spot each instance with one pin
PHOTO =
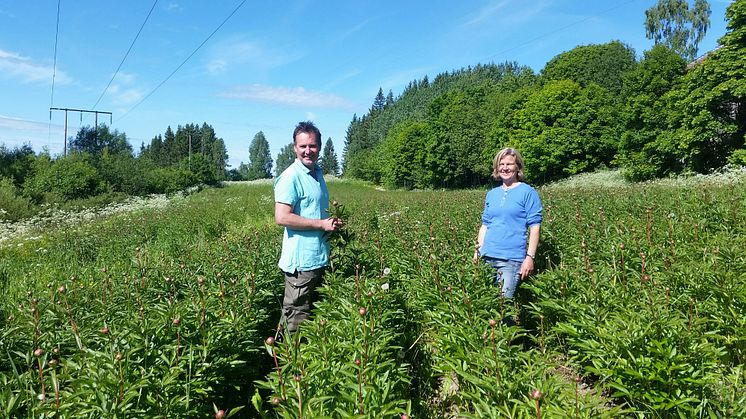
(260, 161)
(101, 166)
(591, 107)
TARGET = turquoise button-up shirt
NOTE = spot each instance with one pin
(303, 250)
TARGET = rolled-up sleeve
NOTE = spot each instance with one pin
(533, 209)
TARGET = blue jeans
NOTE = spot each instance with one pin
(507, 275)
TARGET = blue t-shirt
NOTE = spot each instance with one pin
(508, 214)
(303, 250)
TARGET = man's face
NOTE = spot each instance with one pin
(306, 149)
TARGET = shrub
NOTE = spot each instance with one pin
(124, 173)
(738, 158)
(12, 205)
(169, 179)
(71, 177)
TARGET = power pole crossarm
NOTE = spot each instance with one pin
(82, 111)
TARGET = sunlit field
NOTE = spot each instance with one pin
(638, 309)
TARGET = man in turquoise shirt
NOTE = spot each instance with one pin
(301, 206)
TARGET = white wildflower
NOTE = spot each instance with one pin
(385, 286)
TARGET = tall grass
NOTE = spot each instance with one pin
(636, 309)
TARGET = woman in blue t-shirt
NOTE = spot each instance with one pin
(511, 209)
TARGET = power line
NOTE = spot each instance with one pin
(54, 67)
(183, 62)
(126, 54)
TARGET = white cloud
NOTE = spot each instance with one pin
(125, 78)
(343, 77)
(129, 96)
(217, 66)
(7, 13)
(353, 30)
(15, 132)
(17, 124)
(242, 52)
(16, 66)
(292, 96)
(485, 13)
(123, 92)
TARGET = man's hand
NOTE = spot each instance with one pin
(332, 224)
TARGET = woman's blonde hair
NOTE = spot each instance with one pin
(508, 151)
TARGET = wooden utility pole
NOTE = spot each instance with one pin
(81, 116)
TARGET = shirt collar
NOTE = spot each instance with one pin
(302, 167)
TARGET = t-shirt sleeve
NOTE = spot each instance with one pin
(533, 209)
(485, 219)
(285, 191)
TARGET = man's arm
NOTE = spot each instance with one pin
(285, 217)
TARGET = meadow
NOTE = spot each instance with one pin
(637, 309)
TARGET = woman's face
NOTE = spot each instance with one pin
(507, 169)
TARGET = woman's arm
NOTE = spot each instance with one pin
(533, 244)
(480, 241)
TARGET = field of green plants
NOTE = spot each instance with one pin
(638, 309)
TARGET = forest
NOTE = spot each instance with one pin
(595, 106)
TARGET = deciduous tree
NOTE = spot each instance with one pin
(673, 23)
(603, 64)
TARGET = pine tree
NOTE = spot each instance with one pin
(390, 99)
(285, 158)
(260, 161)
(329, 164)
(379, 102)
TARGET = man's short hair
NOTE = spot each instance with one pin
(309, 128)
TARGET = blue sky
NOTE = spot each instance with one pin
(271, 64)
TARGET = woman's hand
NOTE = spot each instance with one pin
(527, 267)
